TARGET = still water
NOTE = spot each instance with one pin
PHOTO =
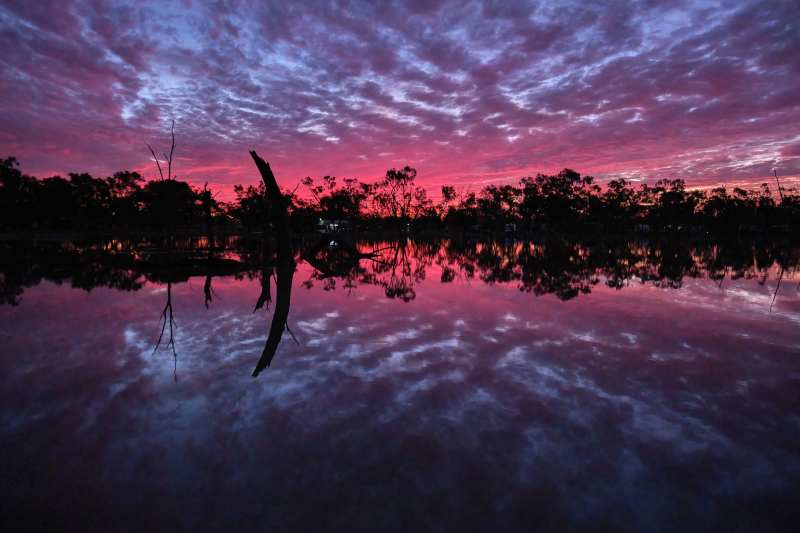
(419, 387)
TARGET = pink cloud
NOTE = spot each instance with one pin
(466, 95)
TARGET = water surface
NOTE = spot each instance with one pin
(425, 387)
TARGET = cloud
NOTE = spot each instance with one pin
(463, 92)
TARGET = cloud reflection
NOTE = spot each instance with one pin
(384, 413)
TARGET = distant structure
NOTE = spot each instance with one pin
(333, 226)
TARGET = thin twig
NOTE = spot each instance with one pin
(171, 150)
(292, 334)
(160, 172)
(167, 318)
(780, 191)
(775, 294)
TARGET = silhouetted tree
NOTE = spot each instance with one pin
(16, 196)
(168, 203)
(397, 196)
(334, 202)
(565, 203)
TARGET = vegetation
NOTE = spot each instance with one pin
(562, 203)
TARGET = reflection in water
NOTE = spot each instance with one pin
(167, 319)
(285, 263)
(285, 273)
(435, 385)
(563, 268)
(560, 267)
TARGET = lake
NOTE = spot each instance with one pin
(420, 386)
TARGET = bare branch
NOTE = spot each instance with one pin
(208, 290)
(777, 287)
(292, 334)
(156, 160)
(167, 319)
(171, 151)
(780, 190)
(266, 295)
(285, 263)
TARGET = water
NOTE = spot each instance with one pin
(429, 387)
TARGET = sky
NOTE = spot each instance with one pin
(467, 93)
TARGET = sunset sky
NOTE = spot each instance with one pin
(468, 93)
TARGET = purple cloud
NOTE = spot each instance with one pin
(464, 92)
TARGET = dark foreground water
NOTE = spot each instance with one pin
(489, 388)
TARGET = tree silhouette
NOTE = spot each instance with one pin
(564, 203)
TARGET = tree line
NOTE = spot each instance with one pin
(564, 202)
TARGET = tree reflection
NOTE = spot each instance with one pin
(284, 264)
(557, 267)
(167, 319)
(560, 267)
